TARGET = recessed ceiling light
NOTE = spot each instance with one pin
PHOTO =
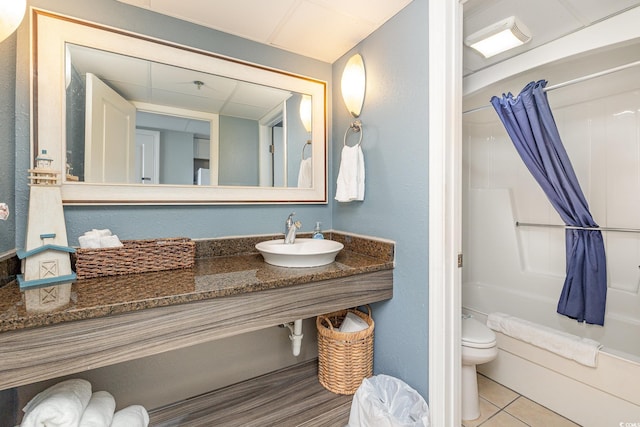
(499, 37)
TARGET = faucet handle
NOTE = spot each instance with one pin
(290, 219)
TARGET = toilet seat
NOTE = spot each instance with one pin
(477, 335)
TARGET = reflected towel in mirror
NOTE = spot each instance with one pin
(305, 176)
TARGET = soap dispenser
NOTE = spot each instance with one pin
(317, 233)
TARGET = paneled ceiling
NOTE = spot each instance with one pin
(326, 29)
(320, 29)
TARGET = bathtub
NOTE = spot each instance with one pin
(592, 397)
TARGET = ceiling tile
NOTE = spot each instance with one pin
(252, 19)
(374, 11)
(306, 30)
(182, 80)
(288, 24)
(139, 3)
(259, 96)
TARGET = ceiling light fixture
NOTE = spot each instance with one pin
(499, 37)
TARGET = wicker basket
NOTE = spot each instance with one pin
(136, 256)
(344, 358)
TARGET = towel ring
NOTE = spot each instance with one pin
(305, 146)
(355, 127)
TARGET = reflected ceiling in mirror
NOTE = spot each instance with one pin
(189, 86)
(140, 80)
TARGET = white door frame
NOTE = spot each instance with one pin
(445, 136)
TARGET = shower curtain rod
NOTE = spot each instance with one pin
(570, 82)
(571, 227)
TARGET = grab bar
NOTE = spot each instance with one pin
(572, 227)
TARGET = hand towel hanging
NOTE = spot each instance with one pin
(350, 184)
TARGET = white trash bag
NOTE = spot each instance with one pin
(385, 401)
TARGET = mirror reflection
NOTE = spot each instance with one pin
(136, 121)
(250, 114)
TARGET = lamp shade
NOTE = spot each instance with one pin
(11, 14)
(353, 85)
(305, 112)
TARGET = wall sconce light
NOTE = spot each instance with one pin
(11, 14)
(305, 112)
(499, 37)
(353, 86)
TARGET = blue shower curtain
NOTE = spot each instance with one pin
(530, 124)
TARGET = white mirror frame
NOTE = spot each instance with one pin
(50, 32)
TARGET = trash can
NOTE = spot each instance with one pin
(385, 401)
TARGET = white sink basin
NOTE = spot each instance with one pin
(302, 253)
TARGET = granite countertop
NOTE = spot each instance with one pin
(223, 267)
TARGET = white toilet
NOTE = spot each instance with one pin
(478, 346)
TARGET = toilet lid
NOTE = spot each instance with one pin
(477, 335)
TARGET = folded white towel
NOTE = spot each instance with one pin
(98, 233)
(305, 175)
(99, 411)
(350, 183)
(102, 233)
(110, 242)
(131, 416)
(582, 350)
(61, 405)
(89, 242)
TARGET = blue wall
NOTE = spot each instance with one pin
(7, 140)
(158, 221)
(395, 145)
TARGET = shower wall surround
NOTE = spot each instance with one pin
(602, 137)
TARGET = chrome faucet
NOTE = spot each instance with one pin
(290, 229)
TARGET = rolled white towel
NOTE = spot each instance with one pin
(99, 411)
(582, 350)
(61, 405)
(131, 416)
(110, 242)
(89, 241)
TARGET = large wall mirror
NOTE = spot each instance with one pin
(132, 120)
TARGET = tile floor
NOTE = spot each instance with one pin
(502, 407)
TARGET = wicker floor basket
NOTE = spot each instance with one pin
(344, 358)
(136, 256)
